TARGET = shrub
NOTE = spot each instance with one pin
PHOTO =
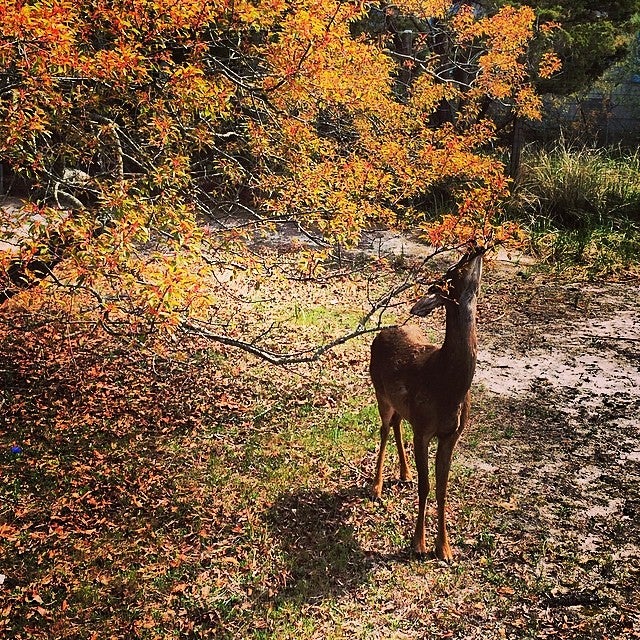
(582, 206)
(578, 188)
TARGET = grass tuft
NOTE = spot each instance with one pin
(582, 207)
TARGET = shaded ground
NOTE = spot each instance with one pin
(200, 494)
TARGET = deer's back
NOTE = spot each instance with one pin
(401, 359)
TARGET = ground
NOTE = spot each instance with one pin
(564, 358)
(199, 493)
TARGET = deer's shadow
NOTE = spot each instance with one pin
(317, 534)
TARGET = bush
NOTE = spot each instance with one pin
(582, 206)
(578, 188)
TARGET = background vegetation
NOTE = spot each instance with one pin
(157, 483)
(581, 206)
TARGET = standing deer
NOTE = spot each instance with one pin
(429, 387)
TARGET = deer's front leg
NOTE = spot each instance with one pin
(421, 448)
(443, 466)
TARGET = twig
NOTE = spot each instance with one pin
(595, 336)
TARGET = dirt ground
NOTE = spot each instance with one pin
(574, 351)
(559, 375)
(275, 535)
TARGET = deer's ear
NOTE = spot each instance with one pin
(427, 304)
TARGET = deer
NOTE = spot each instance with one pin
(429, 387)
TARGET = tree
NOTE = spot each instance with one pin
(138, 127)
(590, 38)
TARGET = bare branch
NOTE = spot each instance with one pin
(280, 359)
(315, 353)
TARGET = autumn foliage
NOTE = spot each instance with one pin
(154, 138)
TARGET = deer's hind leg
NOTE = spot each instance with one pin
(389, 418)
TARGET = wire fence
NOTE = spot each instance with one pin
(602, 118)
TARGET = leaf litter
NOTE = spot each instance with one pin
(202, 494)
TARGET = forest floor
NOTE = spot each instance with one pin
(200, 493)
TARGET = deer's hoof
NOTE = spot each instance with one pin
(444, 552)
(420, 549)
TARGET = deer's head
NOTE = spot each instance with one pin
(457, 286)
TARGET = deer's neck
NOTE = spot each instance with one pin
(459, 351)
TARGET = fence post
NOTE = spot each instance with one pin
(517, 142)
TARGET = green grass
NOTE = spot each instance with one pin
(602, 250)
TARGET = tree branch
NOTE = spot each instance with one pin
(313, 354)
(280, 359)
